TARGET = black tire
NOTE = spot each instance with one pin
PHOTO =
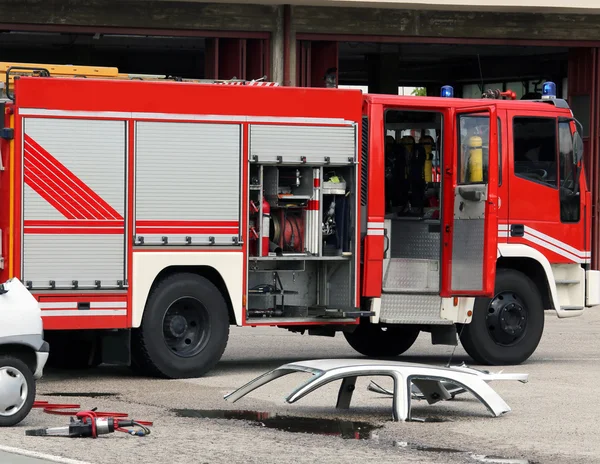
(184, 330)
(506, 329)
(17, 391)
(374, 340)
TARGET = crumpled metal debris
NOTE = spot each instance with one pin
(411, 381)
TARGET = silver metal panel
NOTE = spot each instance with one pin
(412, 275)
(339, 284)
(270, 181)
(37, 208)
(187, 171)
(415, 239)
(267, 142)
(467, 254)
(305, 283)
(411, 309)
(468, 237)
(93, 150)
(64, 258)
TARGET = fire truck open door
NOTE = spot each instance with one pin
(469, 219)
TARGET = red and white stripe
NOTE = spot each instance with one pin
(313, 222)
(549, 243)
(69, 309)
(375, 228)
(75, 227)
(62, 189)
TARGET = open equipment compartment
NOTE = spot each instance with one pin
(302, 223)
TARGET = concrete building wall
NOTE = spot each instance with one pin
(285, 24)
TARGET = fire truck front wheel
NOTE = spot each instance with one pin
(374, 340)
(505, 329)
(184, 330)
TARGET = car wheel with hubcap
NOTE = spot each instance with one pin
(17, 391)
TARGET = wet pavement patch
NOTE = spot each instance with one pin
(80, 394)
(500, 460)
(476, 457)
(431, 449)
(334, 427)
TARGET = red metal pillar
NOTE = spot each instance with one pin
(325, 57)
(314, 60)
(287, 41)
(226, 58)
(584, 99)
(211, 61)
(303, 61)
(232, 59)
(256, 59)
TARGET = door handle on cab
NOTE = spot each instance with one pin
(386, 237)
(475, 192)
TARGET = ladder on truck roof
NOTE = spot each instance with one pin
(9, 70)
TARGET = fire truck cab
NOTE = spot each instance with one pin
(148, 215)
(472, 227)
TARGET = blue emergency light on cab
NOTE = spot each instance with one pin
(548, 90)
(447, 91)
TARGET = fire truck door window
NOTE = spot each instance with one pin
(535, 143)
(473, 155)
(412, 163)
(569, 178)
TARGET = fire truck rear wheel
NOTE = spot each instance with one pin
(374, 340)
(184, 330)
(506, 329)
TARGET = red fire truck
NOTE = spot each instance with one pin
(147, 216)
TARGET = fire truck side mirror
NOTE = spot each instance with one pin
(577, 148)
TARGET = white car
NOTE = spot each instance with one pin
(23, 351)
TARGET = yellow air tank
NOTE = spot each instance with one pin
(408, 141)
(475, 159)
(427, 142)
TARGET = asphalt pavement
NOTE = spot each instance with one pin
(12, 458)
(553, 419)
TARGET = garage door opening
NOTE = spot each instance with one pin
(470, 69)
(203, 57)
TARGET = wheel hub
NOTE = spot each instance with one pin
(507, 318)
(13, 391)
(186, 327)
(177, 325)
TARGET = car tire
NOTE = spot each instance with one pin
(17, 391)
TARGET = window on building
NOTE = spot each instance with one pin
(535, 142)
(569, 200)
